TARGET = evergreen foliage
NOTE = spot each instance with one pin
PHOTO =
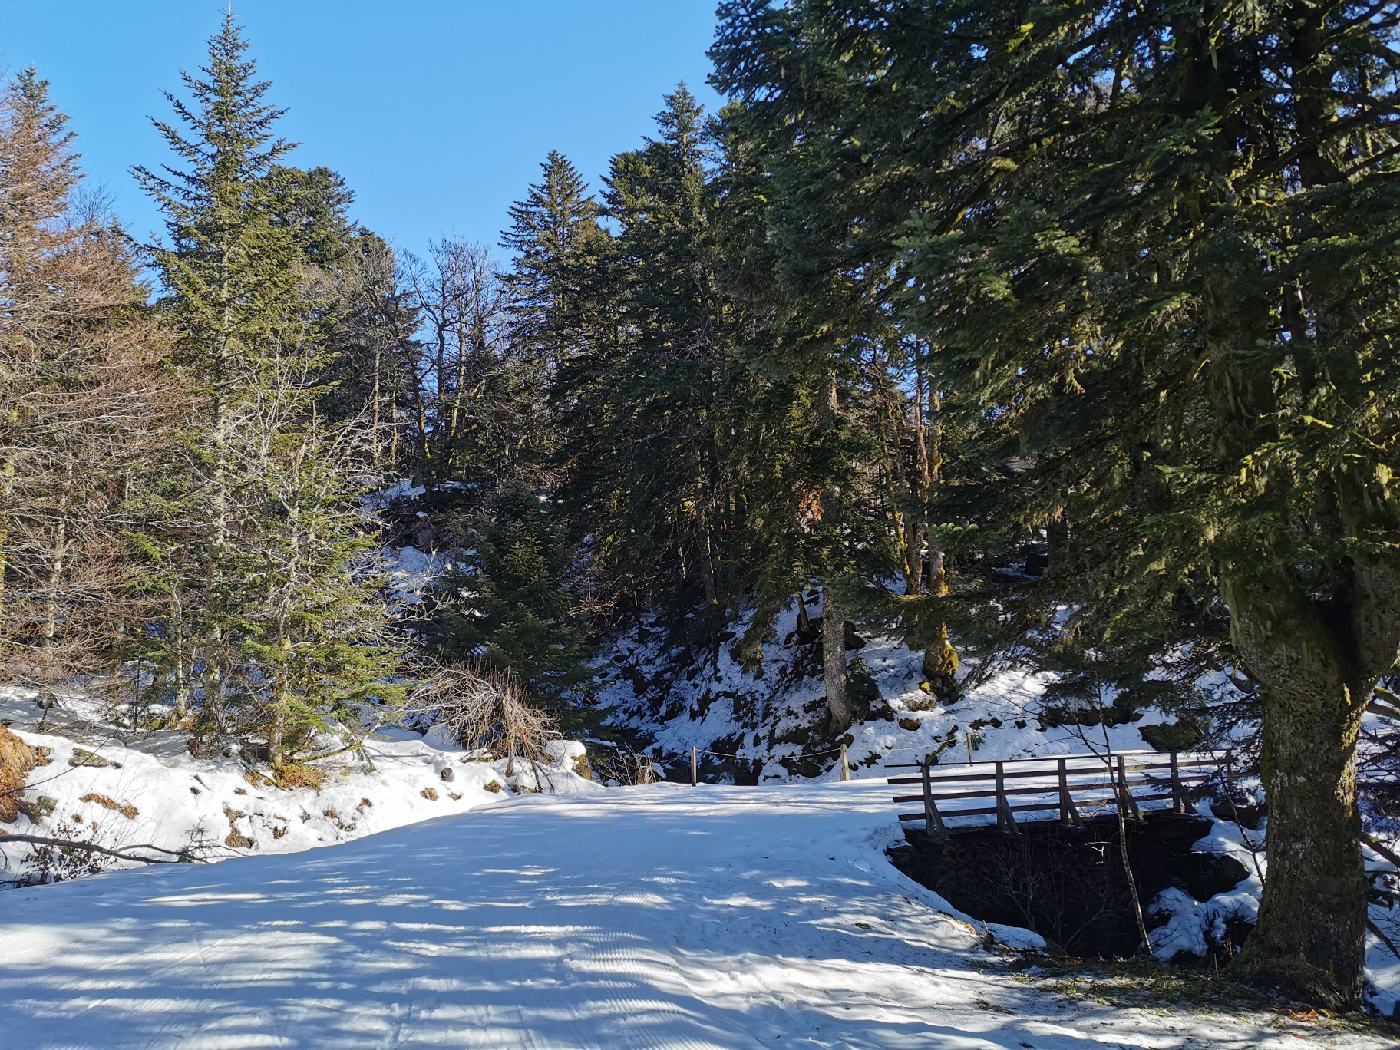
(554, 240)
(264, 574)
(1152, 251)
(642, 426)
(524, 612)
(83, 405)
(949, 290)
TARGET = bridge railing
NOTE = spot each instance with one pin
(1068, 788)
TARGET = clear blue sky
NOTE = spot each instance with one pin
(437, 112)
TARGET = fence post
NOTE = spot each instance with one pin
(933, 823)
(693, 779)
(1068, 814)
(1005, 820)
(1178, 795)
(1126, 803)
(845, 766)
(967, 737)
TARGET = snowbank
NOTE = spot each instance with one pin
(1192, 927)
(119, 788)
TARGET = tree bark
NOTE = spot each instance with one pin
(1312, 917)
(838, 706)
(1315, 682)
(833, 618)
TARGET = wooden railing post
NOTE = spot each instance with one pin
(1068, 814)
(693, 778)
(933, 823)
(1126, 803)
(1178, 795)
(1005, 820)
(845, 765)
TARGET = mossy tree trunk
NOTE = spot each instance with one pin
(1317, 664)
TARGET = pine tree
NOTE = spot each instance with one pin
(230, 270)
(554, 237)
(812, 416)
(1153, 252)
(642, 430)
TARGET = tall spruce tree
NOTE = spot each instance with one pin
(1156, 246)
(230, 269)
(554, 238)
(642, 426)
(267, 591)
(813, 353)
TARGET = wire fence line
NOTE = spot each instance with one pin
(659, 754)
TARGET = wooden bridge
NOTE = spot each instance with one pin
(1070, 789)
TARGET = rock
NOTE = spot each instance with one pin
(1249, 814)
(1171, 736)
(430, 794)
(1203, 875)
(447, 775)
(83, 757)
(572, 754)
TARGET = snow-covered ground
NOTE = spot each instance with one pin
(763, 714)
(119, 787)
(661, 917)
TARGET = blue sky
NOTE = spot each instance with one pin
(437, 112)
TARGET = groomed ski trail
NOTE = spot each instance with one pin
(665, 918)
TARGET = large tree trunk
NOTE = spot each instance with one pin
(833, 618)
(1316, 658)
(1317, 664)
(1312, 917)
(1313, 914)
(838, 706)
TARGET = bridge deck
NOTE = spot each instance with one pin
(1068, 788)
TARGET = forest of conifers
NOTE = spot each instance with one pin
(943, 282)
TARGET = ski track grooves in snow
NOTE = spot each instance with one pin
(665, 917)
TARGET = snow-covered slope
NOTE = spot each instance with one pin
(119, 788)
(765, 716)
(659, 917)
